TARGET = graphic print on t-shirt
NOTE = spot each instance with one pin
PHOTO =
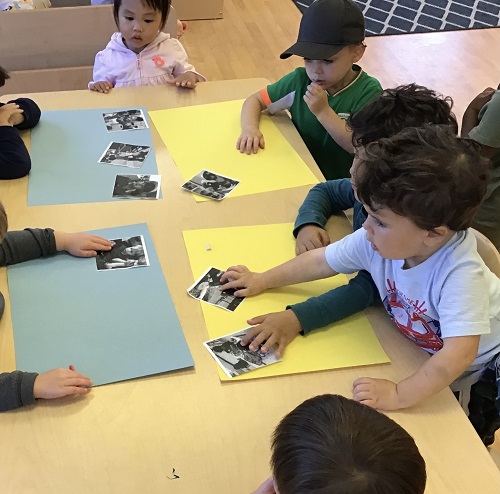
(410, 318)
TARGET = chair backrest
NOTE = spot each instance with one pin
(59, 37)
(488, 252)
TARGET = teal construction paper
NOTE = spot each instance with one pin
(111, 325)
(65, 149)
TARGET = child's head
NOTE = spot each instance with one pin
(427, 177)
(330, 40)
(139, 21)
(333, 445)
(399, 108)
(4, 75)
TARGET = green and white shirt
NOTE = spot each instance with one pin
(288, 94)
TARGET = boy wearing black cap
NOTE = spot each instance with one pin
(321, 96)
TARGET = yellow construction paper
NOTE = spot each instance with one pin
(204, 137)
(348, 343)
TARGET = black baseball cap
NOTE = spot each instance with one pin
(326, 27)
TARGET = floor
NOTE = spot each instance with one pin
(247, 42)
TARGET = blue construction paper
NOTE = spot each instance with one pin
(111, 325)
(65, 149)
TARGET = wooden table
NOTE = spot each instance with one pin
(128, 437)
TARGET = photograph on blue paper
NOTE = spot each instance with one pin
(112, 327)
(69, 172)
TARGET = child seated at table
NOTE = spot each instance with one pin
(141, 54)
(386, 115)
(421, 189)
(481, 122)
(321, 96)
(332, 444)
(15, 115)
(23, 388)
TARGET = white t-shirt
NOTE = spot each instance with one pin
(452, 293)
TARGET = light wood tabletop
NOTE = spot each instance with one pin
(128, 437)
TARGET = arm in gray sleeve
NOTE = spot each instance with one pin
(16, 389)
(23, 245)
(323, 200)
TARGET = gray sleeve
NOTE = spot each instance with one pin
(487, 131)
(23, 245)
(16, 389)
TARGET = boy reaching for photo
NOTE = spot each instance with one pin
(421, 189)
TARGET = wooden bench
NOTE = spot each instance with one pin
(54, 49)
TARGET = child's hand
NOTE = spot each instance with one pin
(267, 487)
(316, 99)
(9, 113)
(245, 281)
(311, 237)
(376, 393)
(276, 328)
(101, 86)
(81, 244)
(56, 383)
(187, 80)
(250, 141)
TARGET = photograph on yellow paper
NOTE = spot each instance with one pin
(347, 343)
(204, 137)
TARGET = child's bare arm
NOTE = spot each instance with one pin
(471, 114)
(434, 375)
(81, 244)
(308, 267)
(317, 101)
(251, 138)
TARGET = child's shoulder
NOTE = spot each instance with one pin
(365, 81)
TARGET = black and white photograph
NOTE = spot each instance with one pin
(125, 120)
(206, 289)
(235, 359)
(126, 253)
(137, 187)
(121, 154)
(211, 185)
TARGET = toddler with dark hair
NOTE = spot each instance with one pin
(332, 445)
(421, 189)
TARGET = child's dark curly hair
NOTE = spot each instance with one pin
(396, 109)
(427, 174)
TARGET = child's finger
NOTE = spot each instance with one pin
(262, 337)
(249, 336)
(75, 390)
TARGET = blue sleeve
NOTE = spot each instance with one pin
(15, 161)
(16, 389)
(337, 304)
(323, 200)
(31, 113)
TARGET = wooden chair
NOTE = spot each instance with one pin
(488, 252)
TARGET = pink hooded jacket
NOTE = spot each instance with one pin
(158, 63)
